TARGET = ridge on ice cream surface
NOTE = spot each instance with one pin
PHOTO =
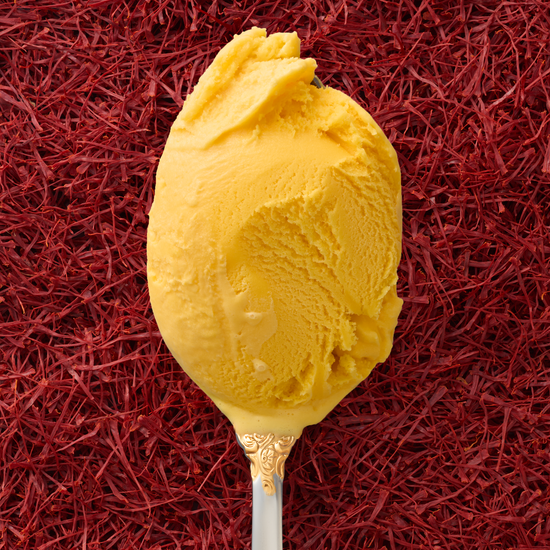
(274, 238)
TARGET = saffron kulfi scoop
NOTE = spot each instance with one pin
(274, 238)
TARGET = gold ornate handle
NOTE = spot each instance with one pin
(267, 454)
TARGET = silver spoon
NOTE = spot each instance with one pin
(267, 454)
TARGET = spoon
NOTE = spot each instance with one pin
(267, 454)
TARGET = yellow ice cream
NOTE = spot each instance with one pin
(274, 238)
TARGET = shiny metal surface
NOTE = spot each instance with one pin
(267, 516)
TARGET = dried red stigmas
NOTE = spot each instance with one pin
(104, 441)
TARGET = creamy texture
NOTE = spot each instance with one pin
(274, 238)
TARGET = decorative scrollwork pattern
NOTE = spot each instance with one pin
(267, 454)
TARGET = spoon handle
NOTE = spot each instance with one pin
(267, 516)
(267, 454)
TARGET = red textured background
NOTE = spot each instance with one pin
(106, 444)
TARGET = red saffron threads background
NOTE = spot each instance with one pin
(104, 441)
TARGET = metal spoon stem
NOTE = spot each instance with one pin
(267, 454)
(267, 516)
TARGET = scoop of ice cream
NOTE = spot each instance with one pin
(274, 238)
